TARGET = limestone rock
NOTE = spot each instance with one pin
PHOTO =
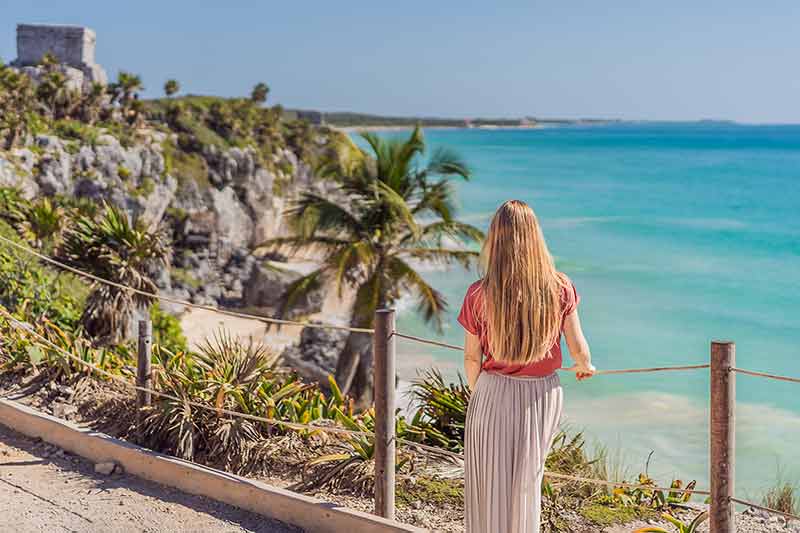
(266, 285)
(108, 468)
(315, 356)
(234, 227)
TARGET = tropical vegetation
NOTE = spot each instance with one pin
(391, 212)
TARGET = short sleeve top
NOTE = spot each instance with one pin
(472, 319)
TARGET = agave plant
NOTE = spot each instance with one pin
(116, 249)
(442, 411)
(680, 526)
(41, 223)
(351, 468)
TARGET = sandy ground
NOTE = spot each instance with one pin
(199, 324)
(45, 489)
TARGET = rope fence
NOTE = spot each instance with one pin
(306, 426)
(770, 510)
(765, 375)
(718, 373)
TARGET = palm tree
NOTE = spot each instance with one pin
(91, 104)
(259, 93)
(17, 102)
(114, 248)
(389, 215)
(171, 87)
(124, 89)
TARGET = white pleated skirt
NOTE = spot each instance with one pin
(511, 423)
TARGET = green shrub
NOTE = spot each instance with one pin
(36, 292)
(185, 278)
(167, 330)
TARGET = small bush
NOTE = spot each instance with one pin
(781, 497)
(167, 330)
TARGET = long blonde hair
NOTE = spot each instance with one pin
(522, 289)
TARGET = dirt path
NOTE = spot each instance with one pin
(45, 489)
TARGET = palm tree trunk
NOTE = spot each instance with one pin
(354, 368)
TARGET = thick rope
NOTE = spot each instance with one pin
(766, 509)
(597, 373)
(765, 375)
(178, 301)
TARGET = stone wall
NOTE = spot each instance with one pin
(73, 46)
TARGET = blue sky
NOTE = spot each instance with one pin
(628, 59)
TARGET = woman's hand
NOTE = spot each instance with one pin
(583, 370)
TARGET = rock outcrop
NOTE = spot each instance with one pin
(315, 356)
(266, 284)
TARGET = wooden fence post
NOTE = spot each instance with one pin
(384, 379)
(723, 436)
(143, 398)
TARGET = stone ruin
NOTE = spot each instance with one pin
(72, 46)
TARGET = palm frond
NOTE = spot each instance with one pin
(462, 232)
(445, 256)
(298, 289)
(313, 213)
(447, 162)
(430, 302)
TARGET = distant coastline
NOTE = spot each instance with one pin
(349, 121)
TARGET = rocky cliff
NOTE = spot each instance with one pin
(217, 202)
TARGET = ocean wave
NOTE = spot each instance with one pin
(712, 224)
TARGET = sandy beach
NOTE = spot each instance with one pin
(200, 324)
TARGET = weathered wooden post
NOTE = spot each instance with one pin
(143, 398)
(723, 436)
(383, 353)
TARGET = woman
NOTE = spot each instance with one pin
(514, 317)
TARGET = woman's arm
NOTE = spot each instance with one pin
(578, 347)
(472, 358)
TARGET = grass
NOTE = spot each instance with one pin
(184, 277)
(605, 515)
(782, 497)
(439, 491)
(185, 166)
(144, 189)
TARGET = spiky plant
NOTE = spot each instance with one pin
(782, 497)
(125, 89)
(42, 223)
(114, 248)
(17, 103)
(442, 410)
(389, 213)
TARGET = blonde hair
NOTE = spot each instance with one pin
(522, 289)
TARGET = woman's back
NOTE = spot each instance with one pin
(473, 318)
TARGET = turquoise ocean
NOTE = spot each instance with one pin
(674, 234)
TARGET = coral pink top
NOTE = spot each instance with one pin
(472, 319)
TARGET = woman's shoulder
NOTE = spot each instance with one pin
(569, 294)
(475, 289)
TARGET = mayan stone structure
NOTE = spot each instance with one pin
(73, 46)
